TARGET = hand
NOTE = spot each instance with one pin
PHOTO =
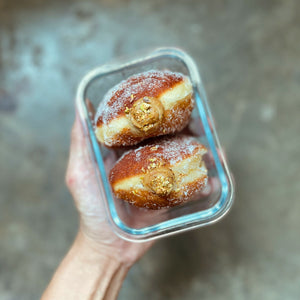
(97, 262)
(81, 180)
(94, 228)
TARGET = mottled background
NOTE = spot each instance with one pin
(249, 56)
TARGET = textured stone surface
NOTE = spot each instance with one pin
(249, 56)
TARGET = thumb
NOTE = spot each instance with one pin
(79, 160)
(77, 139)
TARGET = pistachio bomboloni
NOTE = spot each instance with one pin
(161, 174)
(145, 105)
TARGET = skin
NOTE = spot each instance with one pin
(98, 261)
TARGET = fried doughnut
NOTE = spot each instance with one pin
(145, 105)
(162, 174)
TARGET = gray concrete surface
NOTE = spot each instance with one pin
(249, 56)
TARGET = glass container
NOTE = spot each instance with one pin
(141, 224)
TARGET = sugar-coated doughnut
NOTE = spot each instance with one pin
(161, 174)
(145, 105)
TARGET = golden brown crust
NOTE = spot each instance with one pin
(177, 118)
(163, 150)
(157, 181)
(150, 84)
(137, 105)
(146, 199)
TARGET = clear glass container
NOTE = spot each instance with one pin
(141, 224)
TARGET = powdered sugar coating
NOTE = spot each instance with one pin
(150, 83)
(172, 150)
(182, 154)
(114, 125)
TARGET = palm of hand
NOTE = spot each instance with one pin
(82, 183)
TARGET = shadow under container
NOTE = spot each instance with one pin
(141, 224)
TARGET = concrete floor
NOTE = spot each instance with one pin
(249, 56)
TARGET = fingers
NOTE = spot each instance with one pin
(212, 186)
(196, 127)
(77, 139)
(109, 161)
(210, 160)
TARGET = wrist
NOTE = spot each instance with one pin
(109, 271)
(111, 246)
(98, 252)
(87, 272)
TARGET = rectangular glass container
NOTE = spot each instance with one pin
(141, 224)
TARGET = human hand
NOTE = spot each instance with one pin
(82, 183)
(98, 260)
